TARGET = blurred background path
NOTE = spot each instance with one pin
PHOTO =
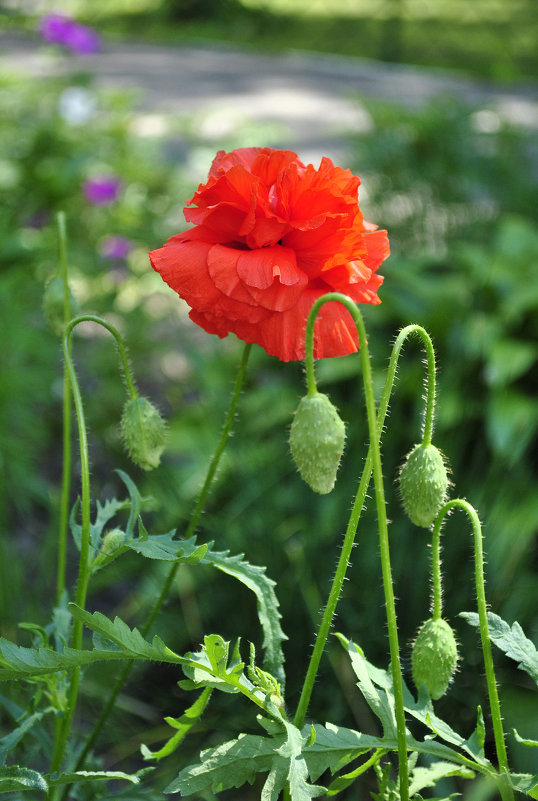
(311, 102)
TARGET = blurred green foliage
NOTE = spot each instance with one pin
(456, 188)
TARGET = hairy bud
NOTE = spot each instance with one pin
(434, 657)
(144, 432)
(53, 305)
(112, 540)
(317, 439)
(423, 484)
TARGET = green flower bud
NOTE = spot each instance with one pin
(317, 439)
(423, 484)
(144, 432)
(434, 657)
(112, 540)
(53, 305)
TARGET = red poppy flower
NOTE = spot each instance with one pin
(270, 236)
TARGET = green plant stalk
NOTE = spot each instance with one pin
(358, 504)
(122, 349)
(66, 424)
(495, 707)
(212, 469)
(84, 565)
(437, 594)
(383, 540)
(131, 387)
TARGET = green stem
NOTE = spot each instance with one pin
(360, 496)
(437, 601)
(122, 349)
(494, 703)
(66, 414)
(212, 469)
(346, 549)
(84, 565)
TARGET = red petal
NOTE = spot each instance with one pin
(283, 335)
(183, 267)
(377, 243)
(272, 277)
(222, 266)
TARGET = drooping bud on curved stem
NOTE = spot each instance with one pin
(495, 708)
(143, 431)
(434, 657)
(317, 438)
(423, 484)
(383, 540)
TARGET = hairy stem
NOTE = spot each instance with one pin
(374, 451)
(491, 682)
(360, 496)
(437, 598)
(198, 509)
(62, 732)
(122, 348)
(66, 421)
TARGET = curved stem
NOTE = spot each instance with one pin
(429, 411)
(131, 387)
(360, 496)
(66, 422)
(84, 566)
(383, 540)
(198, 509)
(494, 704)
(122, 349)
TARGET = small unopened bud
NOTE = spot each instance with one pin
(112, 540)
(53, 305)
(317, 439)
(144, 432)
(423, 484)
(434, 657)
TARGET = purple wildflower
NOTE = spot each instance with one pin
(102, 189)
(115, 247)
(62, 30)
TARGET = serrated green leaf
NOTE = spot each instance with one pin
(255, 578)
(105, 512)
(122, 641)
(182, 725)
(524, 740)
(423, 777)
(210, 667)
(131, 642)
(136, 502)
(511, 640)
(342, 782)
(422, 710)
(525, 783)
(237, 762)
(232, 764)
(57, 779)
(14, 778)
(337, 746)
(289, 769)
(166, 548)
(381, 704)
(19, 662)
